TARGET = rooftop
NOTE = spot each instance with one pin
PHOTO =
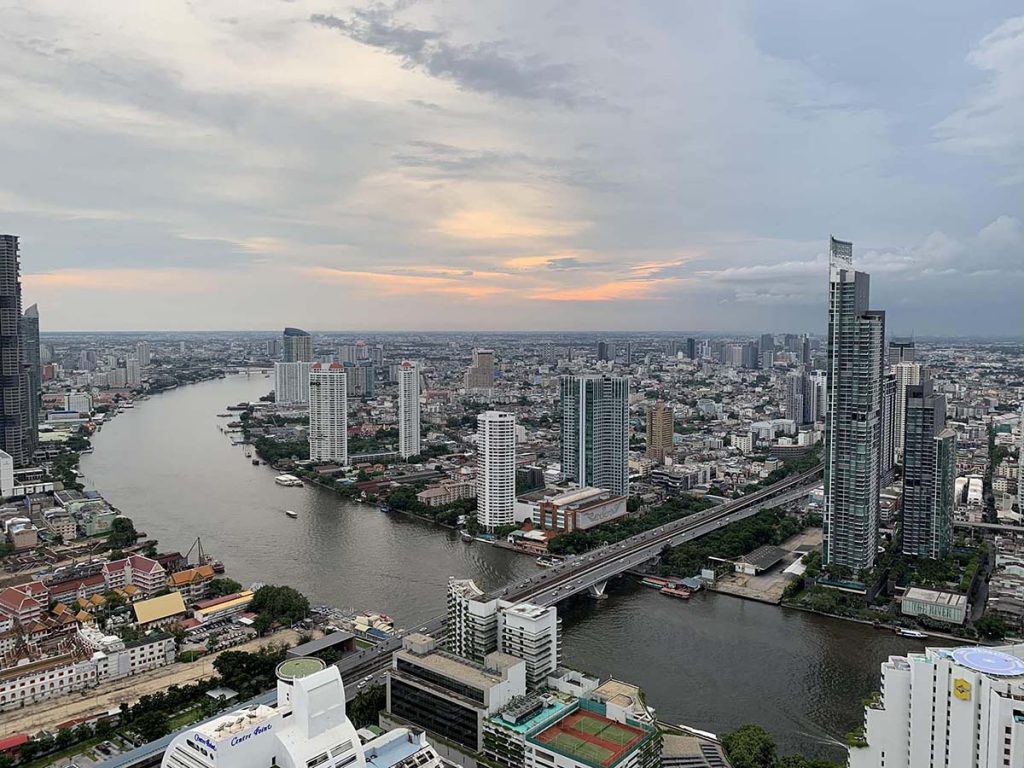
(935, 597)
(590, 738)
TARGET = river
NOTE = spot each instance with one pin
(714, 662)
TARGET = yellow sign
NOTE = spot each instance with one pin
(962, 689)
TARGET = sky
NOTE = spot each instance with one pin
(482, 165)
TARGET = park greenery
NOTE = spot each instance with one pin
(365, 708)
(122, 533)
(280, 605)
(223, 586)
(736, 539)
(577, 542)
(404, 499)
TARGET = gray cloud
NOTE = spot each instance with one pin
(486, 67)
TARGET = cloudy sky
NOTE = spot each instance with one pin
(474, 164)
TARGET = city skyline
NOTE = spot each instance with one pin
(458, 166)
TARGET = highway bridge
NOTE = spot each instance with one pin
(589, 573)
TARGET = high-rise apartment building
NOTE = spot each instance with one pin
(478, 626)
(907, 374)
(328, 413)
(132, 373)
(480, 374)
(408, 409)
(853, 429)
(929, 474)
(296, 346)
(14, 378)
(887, 462)
(766, 350)
(796, 390)
(660, 430)
(595, 431)
(947, 708)
(362, 378)
(495, 469)
(31, 355)
(604, 351)
(691, 348)
(902, 351)
(143, 353)
(291, 383)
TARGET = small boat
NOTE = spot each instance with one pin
(682, 594)
(911, 633)
(466, 536)
(218, 566)
(384, 508)
(291, 514)
(289, 481)
(255, 462)
(548, 561)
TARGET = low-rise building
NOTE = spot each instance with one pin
(579, 510)
(142, 572)
(940, 606)
(226, 607)
(193, 583)
(163, 611)
(447, 493)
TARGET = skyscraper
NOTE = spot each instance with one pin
(765, 350)
(328, 413)
(296, 346)
(142, 353)
(887, 462)
(480, 374)
(595, 431)
(691, 348)
(30, 355)
(603, 351)
(907, 374)
(929, 474)
(132, 373)
(495, 469)
(14, 378)
(796, 395)
(291, 382)
(902, 351)
(408, 409)
(660, 429)
(853, 428)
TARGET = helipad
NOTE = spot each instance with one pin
(292, 669)
(989, 662)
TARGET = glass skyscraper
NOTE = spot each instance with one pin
(595, 431)
(929, 474)
(16, 436)
(853, 427)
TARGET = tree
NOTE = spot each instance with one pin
(282, 604)
(367, 705)
(223, 586)
(122, 533)
(991, 626)
(750, 746)
(152, 725)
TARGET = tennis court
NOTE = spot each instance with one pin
(591, 738)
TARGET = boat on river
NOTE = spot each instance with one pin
(682, 594)
(466, 536)
(289, 481)
(911, 633)
(291, 513)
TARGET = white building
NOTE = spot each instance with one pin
(291, 382)
(308, 727)
(79, 402)
(328, 413)
(408, 409)
(132, 372)
(6, 474)
(496, 469)
(948, 708)
(142, 353)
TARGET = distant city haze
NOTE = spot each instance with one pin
(462, 165)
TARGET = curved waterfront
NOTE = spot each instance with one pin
(714, 662)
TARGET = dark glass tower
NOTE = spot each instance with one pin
(929, 474)
(30, 356)
(595, 431)
(14, 384)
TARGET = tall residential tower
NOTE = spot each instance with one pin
(15, 418)
(328, 413)
(595, 431)
(296, 346)
(853, 427)
(408, 409)
(495, 469)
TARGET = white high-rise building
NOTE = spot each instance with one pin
(142, 353)
(408, 409)
(947, 708)
(328, 413)
(291, 382)
(479, 625)
(132, 372)
(308, 727)
(907, 374)
(495, 469)
(80, 402)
